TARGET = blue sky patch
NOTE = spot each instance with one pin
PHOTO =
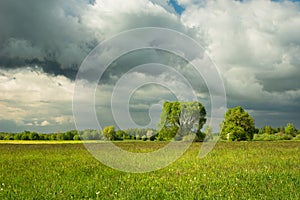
(179, 9)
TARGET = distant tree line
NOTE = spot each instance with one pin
(108, 133)
(238, 125)
(179, 121)
(268, 133)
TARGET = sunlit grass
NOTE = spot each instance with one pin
(39, 142)
(237, 170)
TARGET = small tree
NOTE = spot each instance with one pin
(17, 136)
(33, 136)
(268, 130)
(110, 133)
(290, 129)
(76, 137)
(121, 135)
(237, 125)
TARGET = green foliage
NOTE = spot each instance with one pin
(169, 124)
(90, 134)
(179, 119)
(137, 133)
(235, 133)
(137, 137)
(69, 135)
(241, 170)
(284, 136)
(17, 137)
(237, 125)
(267, 133)
(282, 133)
(76, 137)
(9, 137)
(272, 137)
(144, 138)
(290, 129)
(33, 136)
(200, 136)
(267, 130)
(110, 133)
(25, 136)
(153, 137)
(297, 137)
(59, 136)
(121, 134)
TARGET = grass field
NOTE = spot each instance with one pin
(236, 170)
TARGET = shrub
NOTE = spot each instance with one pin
(268, 137)
(144, 138)
(290, 129)
(109, 132)
(283, 136)
(297, 137)
(17, 137)
(153, 137)
(137, 137)
(9, 137)
(24, 136)
(76, 137)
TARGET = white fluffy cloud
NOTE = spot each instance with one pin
(31, 97)
(256, 45)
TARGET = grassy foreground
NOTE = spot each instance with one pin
(236, 170)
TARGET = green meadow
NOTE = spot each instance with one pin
(232, 170)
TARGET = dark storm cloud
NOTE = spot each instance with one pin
(45, 33)
(57, 35)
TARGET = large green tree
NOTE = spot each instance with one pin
(179, 119)
(237, 125)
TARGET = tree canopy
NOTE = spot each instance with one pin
(290, 129)
(237, 125)
(179, 119)
(109, 132)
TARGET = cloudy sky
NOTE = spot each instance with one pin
(254, 44)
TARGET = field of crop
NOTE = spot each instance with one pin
(233, 170)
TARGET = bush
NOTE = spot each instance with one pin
(17, 136)
(200, 136)
(109, 132)
(9, 137)
(235, 133)
(137, 137)
(268, 137)
(153, 137)
(264, 137)
(76, 137)
(33, 136)
(144, 138)
(24, 136)
(297, 137)
(283, 136)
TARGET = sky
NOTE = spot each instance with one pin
(255, 44)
